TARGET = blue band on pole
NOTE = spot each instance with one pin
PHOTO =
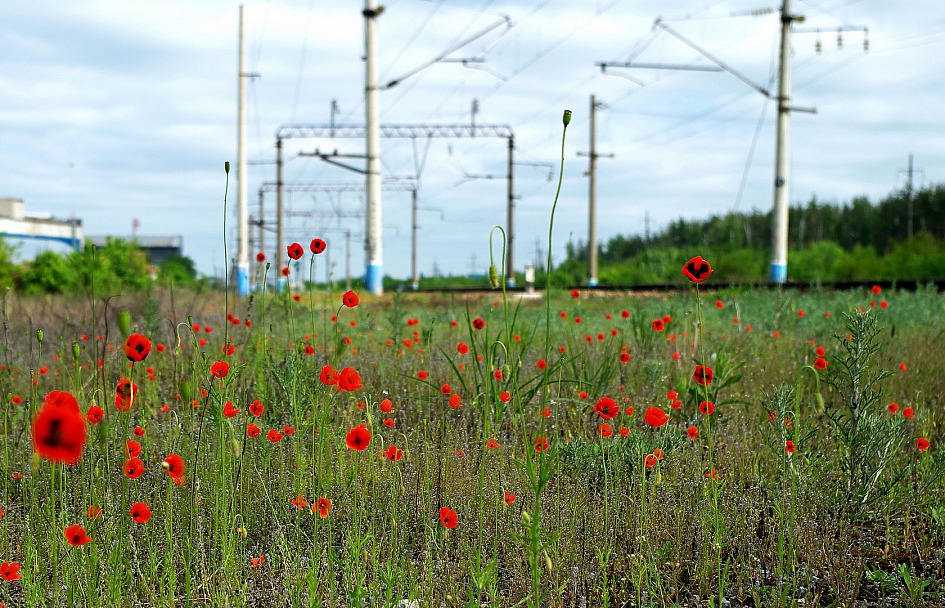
(374, 278)
(592, 283)
(778, 273)
(242, 281)
(510, 282)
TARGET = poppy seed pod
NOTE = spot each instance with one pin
(39, 336)
(75, 351)
(124, 323)
(566, 119)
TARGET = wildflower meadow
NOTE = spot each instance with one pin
(322, 447)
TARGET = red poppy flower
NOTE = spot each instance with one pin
(509, 498)
(174, 465)
(541, 364)
(256, 408)
(76, 536)
(257, 561)
(329, 375)
(448, 517)
(358, 438)
(655, 417)
(658, 325)
(546, 413)
(16, 400)
(393, 454)
(497, 374)
(702, 375)
(446, 389)
(350, 299)
(478, 323)
(59, 432)
(505, 396)
(252, 431)
(137, 347)
(789, 447)
(317, 246)
(605, 430)
(387, 406)
(893, 408)
(294, 251)
(540, 443)
(274, 436)
(903, 366)
(492, 444)
(323, 506)
(93, 512)
(95, 414)
(660, 454)
(820, 363)
(230, 410)
(606, 408)
(455, 400)
(299, 502)
(10, 571)
(908, 413)
(349, 379)
(649, 461)
(706, 408)
(624, 357)
(693, 432)
(132, 448)
(140, 513)
(260, 257)
(220, 369)
(875, 290)
(922, 444)
(697, 270)
(133, 468)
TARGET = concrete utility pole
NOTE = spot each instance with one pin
(592, 157)
(909, 173)
(782, 161)
(374, 274)
(280, 213)
(510, 229)
(242, 256)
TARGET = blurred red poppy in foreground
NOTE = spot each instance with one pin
(59, 432)
(922, 444)
(10, 571)
(349, 379)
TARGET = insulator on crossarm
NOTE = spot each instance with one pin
(839, 40)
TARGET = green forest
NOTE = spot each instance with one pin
(858, 240)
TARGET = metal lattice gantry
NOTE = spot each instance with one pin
(411, 131)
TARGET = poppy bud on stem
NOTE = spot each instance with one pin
(39, 336)
(124, 323)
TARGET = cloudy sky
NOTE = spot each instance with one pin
(116, 110)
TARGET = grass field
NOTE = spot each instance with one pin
(511, 452)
